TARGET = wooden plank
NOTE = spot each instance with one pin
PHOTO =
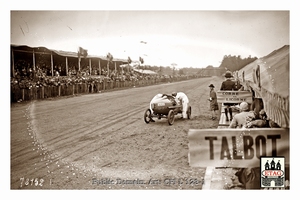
(208, 182)
(208, 178)
(222, 121)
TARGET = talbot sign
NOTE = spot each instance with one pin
(236, 147)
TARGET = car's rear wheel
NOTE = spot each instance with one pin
(147, 116)
(171, 117)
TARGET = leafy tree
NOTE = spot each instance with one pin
(181, 72)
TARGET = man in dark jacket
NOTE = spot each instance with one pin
(213, 102)
(228, 84)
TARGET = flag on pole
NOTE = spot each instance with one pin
(82, 52)
(129, 60)
(141, 60)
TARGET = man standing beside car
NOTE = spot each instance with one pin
(184, 101)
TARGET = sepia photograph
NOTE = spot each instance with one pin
(144, 99)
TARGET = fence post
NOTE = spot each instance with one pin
(54, 91)
(36, 93)
(23, 98)
(98, 86)
(32, 94)
(43, 91)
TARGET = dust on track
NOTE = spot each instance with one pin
(71, 142)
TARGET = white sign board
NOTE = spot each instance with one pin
(228, 96)
(236, 147)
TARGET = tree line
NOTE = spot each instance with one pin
(234, 63)
(229, 62)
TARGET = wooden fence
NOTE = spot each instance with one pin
(51, 91)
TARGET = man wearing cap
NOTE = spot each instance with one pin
(213, 101)
(184, 101)
(228, 84)
(239, 120)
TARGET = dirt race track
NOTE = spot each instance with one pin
(100, 141)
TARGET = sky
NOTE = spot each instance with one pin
(186, 38)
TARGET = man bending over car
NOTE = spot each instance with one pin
(183, 100)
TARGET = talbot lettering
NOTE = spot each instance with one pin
(252, 147)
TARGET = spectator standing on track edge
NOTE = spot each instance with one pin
(213, 102)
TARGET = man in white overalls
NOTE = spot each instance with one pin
(182, 99)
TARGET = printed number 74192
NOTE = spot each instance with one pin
(33, 181)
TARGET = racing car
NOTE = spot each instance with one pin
(165, 108)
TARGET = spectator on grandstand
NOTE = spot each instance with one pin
(23, 71)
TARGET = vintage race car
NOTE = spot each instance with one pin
(165, 107)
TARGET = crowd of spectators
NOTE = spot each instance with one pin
(26, 78)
